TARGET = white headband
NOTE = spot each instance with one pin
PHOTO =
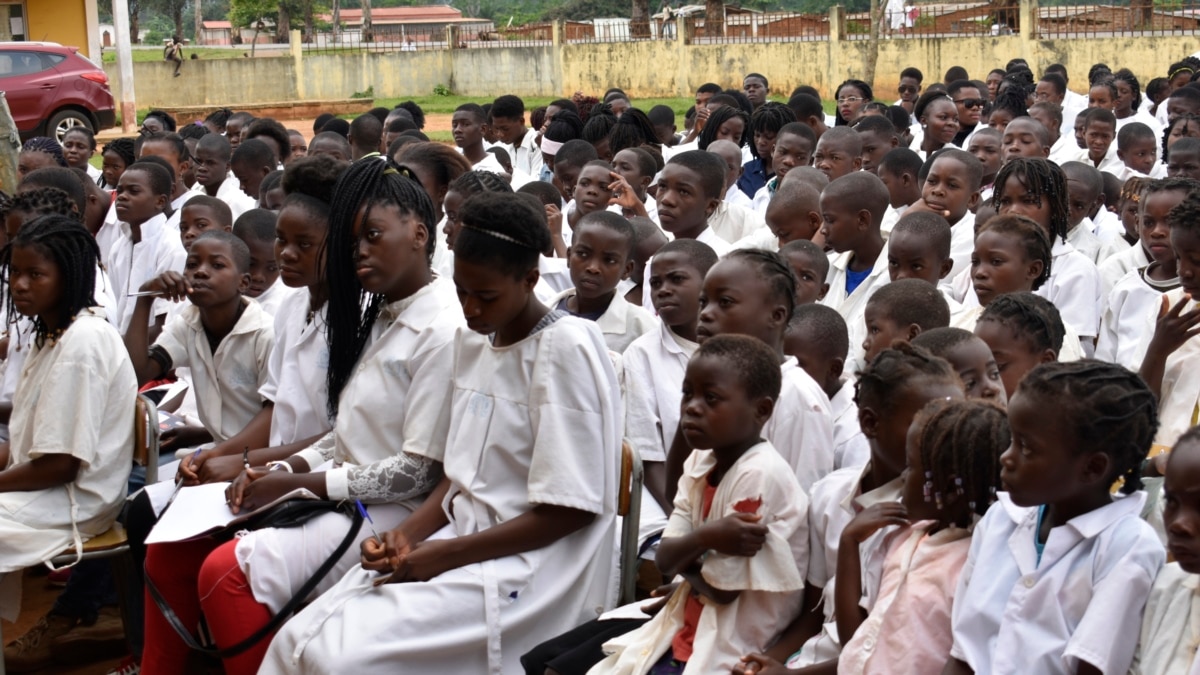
(550, 147)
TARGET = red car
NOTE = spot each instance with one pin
(51, 88)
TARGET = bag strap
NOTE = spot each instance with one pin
(356, 521)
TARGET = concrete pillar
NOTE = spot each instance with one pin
(684, 30)
(557, 28)
(837, 20)
(1028, 16)
(296, 47)
(452, 36)
(125, 64)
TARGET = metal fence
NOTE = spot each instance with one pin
(764, 27)
(1123, 19)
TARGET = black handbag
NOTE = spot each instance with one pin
(292, 513)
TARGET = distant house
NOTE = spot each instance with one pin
(216, 33)
(420, 24)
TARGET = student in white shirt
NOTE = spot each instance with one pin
(171, 148)
(951, 190)
(970, 357)
(1063, 147)
(1085, 189)
(145, 247)
(529, 491)
(853, 208)
(211, 163)
(889, 394)
(638, 168)
(793, 148)
(732, 154)
(1059, 570)
(601, 255)
(1100, 135)
(257, 229)
(508, 121)
(899, 170)
(901, 310)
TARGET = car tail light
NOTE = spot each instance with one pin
(97, 76)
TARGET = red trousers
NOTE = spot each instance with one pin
(197, 577)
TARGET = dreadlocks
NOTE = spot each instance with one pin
(73, 249)
(1043, 180)
(720, 116)
(769, 119)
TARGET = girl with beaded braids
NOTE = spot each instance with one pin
(1059, 570)
(1037, 189)
(76, 370)
(389, 323)
(526, 507)
(953, 473)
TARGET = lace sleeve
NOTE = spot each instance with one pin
(396, 478)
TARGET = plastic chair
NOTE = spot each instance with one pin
(629, 508)
(114, 543)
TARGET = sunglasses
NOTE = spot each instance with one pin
(970, 102)
(907, 89)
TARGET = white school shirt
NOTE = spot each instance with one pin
(1179, 402)
(296, 373)
(762, 196)
(734, 223)
(554, 278)
(177, 205)
(853, 307)
(1115, 267)
(890, 218)
(850, 446)
(271, 299)
(108, 233)
(762, 238)
(1130, 313)
(707, 236)
(394, 403)
(1107, 226)
(1110, 163)
(1083, 240)
(1065, 149)
(1109, 249)
(801, 428)
(130, 265)
(770, 583)
(734, 195)
(1171, 624)
(834, 501)
(654, 366)
(621, 323)
(75, 397)
(490, 164)
(1074, 288)
(226, 383)
(650, 205)
(1082, 602)
(230, 192)
(962, 245)
(525, 154)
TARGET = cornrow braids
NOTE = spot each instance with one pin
(1132, 188)
(1125, 75)
(351, 309)
(45, 201)
(1108, 83)
(123, 148)
(1043, 179)
(720, 116)
(48, 146)
(774, 269)
(1186, 214)
(473, 182)
(74, 250)
(895, 368)
(1032, 320)
(599, 125)
(1034, 240)
(218, 118)
(769, 118)
(633, 130)
(960, 444)
(1110, 408)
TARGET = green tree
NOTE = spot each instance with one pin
(173, 9)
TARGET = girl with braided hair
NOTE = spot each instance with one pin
(517, 540)
(117, 155)
(39, 152)
(953, 453)
(63, 483)
(1060, 568)
(1037, 189)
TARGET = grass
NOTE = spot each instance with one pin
(152, 53)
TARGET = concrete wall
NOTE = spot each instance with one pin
(644, 69)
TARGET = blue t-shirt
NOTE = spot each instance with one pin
(753, 177)
(855, 279)
(1037, 534)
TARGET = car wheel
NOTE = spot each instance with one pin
(64, 121)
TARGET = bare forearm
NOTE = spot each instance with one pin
(677, 554)
(42, 473)
(532, 530)
(677, 454)
(256, 434)
(137, 342)
(848, 591)
(656, 483)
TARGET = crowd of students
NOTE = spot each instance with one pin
(936, 352)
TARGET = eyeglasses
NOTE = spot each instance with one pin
(970, 102)
(908, 89)
(1041, 96)
(850, 99)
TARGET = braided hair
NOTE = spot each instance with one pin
(1190, 122)
(351, 309)
(1186, 214)
(1127, 76)
(599, 125)
(881, 382)
(1032, 317)
(769, 119)
(74, 250)
(48, 146)
(1109, 408)
(1013, 100)
(960, 444)
(1109, 83)
(218, 118)
(473, 182)
(1033, 237)
(1043, 179)
(774, 269)
(632, 130)
(503, 230)
(123, 148)
(45, 201)
(720, 116)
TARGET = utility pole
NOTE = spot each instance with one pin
(196, 5)
(125, 65)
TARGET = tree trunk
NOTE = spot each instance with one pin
(639, 22)
(198, 7)
(337, 21)
(714, 18)
(177, 17)
(283, 25)
(308, 21)
(368, 35)
(876, 17)
(134, 10)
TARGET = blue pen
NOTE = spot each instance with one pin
(370, 523)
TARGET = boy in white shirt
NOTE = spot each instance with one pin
(1085, 189)
(601, 255)
(257, 229)
(899, 170)
(508, 121)
(213, 153)
(171, 148)
(951, 190)
(732, 154)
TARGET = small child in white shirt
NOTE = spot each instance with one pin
(970, 357)
(256, 228)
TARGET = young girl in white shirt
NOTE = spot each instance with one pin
(517, 540)
(1059, 570)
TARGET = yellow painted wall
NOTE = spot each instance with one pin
(644, 69)
(61, 21)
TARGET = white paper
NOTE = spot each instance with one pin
(16, 26)
(631, 611)
(201, 510)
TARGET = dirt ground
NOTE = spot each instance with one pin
(433, 122)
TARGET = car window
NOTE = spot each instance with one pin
(49, 60)
(21, 63)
